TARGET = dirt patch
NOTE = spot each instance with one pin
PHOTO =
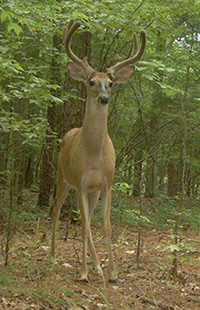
(31, 282)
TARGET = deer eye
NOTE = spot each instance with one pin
(110, 84)
(91, 82)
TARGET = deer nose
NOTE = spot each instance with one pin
(103, 99)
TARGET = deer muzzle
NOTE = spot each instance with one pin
(103, 99)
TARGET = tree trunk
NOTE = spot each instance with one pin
(73, 109)
(137, 174)
(171, 190)
(153, 145)
(188, 182)
(47, 157)
(151, 179)
(29, 171)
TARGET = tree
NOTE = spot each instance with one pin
(146, 118)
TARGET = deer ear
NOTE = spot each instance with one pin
(76, 71)
(123, 74)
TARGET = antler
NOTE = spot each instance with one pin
(68, 33)
(135, 44)
(137, 54)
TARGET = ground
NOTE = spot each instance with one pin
(30, 281)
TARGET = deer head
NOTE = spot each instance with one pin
(99, 84)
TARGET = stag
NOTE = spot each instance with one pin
(86, 159)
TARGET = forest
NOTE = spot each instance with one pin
(154, 124)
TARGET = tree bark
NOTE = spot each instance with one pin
(157, 102)
(46, 169)
(171, 179)
(74, 108)
(137, 174)
(29, 171)
(151, 179)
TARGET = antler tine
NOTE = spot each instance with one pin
(65, 30)
(71, 22)
(135, 57)
(68, 33)
(135, 44)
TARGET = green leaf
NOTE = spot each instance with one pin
(13, 26)
(18, 67)
(79, 15)
(172, 248)
(5, 15)
(56, 99)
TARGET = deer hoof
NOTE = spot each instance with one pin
(112, 280)
(96, 270)
(83, 277)
(113, 277)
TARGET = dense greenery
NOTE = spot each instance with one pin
(153, 120)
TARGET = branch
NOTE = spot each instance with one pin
(138, 6)
(155, 152)
(130, 148)
(109, 47)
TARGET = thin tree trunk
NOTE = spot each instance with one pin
(29, 171)
(137, 174)
(157, 101)
(151, 179)
(171, 179)
(46, 169)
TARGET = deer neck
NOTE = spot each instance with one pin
(94, 128)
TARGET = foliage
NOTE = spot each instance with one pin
(153, 120)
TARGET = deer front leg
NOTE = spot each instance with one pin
(93, 200)
(106, 205)
(84, 208)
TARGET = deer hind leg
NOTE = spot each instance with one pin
(62, 192)
(106, 205)
(93, 200)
